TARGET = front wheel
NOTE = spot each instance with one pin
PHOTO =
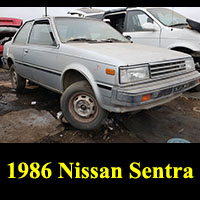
(197, 88)
(80, 107)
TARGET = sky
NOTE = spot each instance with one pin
(27, 13)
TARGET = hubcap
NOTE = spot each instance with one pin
(84, 106)
(14, 78)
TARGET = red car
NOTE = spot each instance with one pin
(8, 28)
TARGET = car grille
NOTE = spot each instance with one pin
(167, 69)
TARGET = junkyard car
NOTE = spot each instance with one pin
(95, 68)
(8, 28)
(87, 12)
(159, 27)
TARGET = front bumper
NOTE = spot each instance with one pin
(162, 91)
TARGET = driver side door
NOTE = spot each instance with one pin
(134, 28)
(40, 54)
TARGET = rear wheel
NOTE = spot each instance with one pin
(18, 83)
(80, 107)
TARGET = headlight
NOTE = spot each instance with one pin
(133, 74)
(189, 64)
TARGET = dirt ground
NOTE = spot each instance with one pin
(32, 117)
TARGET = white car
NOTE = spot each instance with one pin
(159, 27)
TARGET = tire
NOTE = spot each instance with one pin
(197, 88)
(18, 83)
(80, 107)
(1, 64)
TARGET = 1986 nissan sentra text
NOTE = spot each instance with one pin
(95, 68)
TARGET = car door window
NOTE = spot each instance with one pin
(22, 35)
(41, 34)
(117, 21)
(136, 20)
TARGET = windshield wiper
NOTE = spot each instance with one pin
(81, 40)
(181, 24)
(111, 40)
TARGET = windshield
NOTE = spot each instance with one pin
(168, 17)
(82, 30)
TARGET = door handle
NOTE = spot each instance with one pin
(25, 50)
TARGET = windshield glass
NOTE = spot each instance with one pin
(82, 30)
(167, 17)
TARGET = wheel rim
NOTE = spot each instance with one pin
(14, 78)
(83, 107)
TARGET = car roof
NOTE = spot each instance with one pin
(124, 9)
(67, 17)
(116, 10)
(90, 10)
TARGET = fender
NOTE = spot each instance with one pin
(8, 59)
(186, 44)
(88, 76)
(7, 54)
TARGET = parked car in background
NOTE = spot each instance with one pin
(160, 27)
(8, 27)
(87, 12)
(95, 68)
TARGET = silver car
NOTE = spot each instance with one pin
(95, 68)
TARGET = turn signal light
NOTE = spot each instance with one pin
(110, 71)
(199, 80)
(146, 98)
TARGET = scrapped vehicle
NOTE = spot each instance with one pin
(159, 27)
(95, 68)
(87, 12)
(8, 28)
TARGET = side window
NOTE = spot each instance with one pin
(41, 34)
(117, 21)
(136, 20)
(22, 35)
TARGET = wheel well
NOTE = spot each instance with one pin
(10, 62)
(183, 50)
(71, 77)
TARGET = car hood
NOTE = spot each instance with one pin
(121, 54)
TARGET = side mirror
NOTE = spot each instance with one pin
(149, 27)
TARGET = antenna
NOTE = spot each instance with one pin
(45, 11)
